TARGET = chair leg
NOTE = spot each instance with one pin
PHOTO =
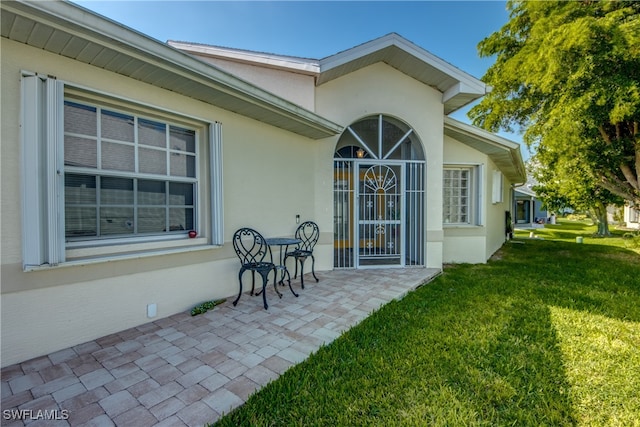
(239, 293)
(264, 288)
(275, 280)
(301, 260)
(313, 268)
(253, 282)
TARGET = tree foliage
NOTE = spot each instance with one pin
(567, 74)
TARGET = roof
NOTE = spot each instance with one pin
(503, 152)
(526, 190)
(458, 88)
(72, 31)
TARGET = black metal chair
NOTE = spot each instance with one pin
(308, 233)
(252, 250)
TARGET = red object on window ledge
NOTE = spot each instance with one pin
(193, 233)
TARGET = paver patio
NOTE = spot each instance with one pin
(187, 371)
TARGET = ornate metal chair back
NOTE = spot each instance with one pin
(308, 233)
(250, 246)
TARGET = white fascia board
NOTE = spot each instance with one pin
(489, 140)
(88, 25)
(480, 135)
(473, 84)
(460, 88)
(289, 63)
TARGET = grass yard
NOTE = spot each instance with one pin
(547, 333)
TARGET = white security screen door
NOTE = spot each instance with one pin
(380, 225)
(379, 196)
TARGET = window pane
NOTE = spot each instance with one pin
(152, 133)
(152, 161)
(182, 139)
(80, 221)
(79, 190)
(116, 221)
(117, 126)
(80, 119)
(151, 192)
(118, 157)
(180, 194)
(152, 220)
(180, 219)
(116, 191)
(183, 165)
(80, 152)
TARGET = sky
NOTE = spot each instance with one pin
(450, 30)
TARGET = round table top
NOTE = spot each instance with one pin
(281, 241)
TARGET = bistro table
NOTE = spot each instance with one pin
(283, 243)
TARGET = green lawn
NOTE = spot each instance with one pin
(546, 333)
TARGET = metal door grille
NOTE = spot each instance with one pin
(378, 214)
(343, 198)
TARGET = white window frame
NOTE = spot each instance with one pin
(634, 214)
(43, 170)
(474, 217)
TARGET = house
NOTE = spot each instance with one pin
(528, 208)
(115, 146)
(631, 216)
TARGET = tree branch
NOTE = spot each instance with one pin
(604, 135)
(629, 175)
(615, 185)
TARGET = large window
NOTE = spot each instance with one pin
(102, 173)
(126, 175)
(459, 196)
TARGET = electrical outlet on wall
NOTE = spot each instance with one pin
(152, 310)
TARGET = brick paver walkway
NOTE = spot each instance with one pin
(185, 370)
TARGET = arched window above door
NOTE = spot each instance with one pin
(380, 137)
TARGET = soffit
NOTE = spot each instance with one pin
(458, 88)
(504, 153)
(69, 30)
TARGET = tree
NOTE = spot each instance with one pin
(565, 182)
(567, 74)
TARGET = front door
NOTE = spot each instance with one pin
(379, 195)
(379, 214)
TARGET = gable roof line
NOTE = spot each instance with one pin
(503, 152)
(394, 39)
(290, 63)
(458, 87)
(66, 29)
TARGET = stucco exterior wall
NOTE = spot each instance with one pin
(295, 87)
(54, 308)
(380, 89)
(476, 243)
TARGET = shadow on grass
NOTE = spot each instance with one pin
(477, 346)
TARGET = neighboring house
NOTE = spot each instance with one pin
(631, 216)
(115, 145)
(528, 208)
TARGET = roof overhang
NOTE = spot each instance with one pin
(309, 67)
(503, 152)
(66, 29)
(458, 88)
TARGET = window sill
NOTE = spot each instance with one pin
(445, 226)
(192, 245)
(128, 247)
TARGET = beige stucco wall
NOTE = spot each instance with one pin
(381, 89)
(476, 243)
(50, 309)
(295, 87)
